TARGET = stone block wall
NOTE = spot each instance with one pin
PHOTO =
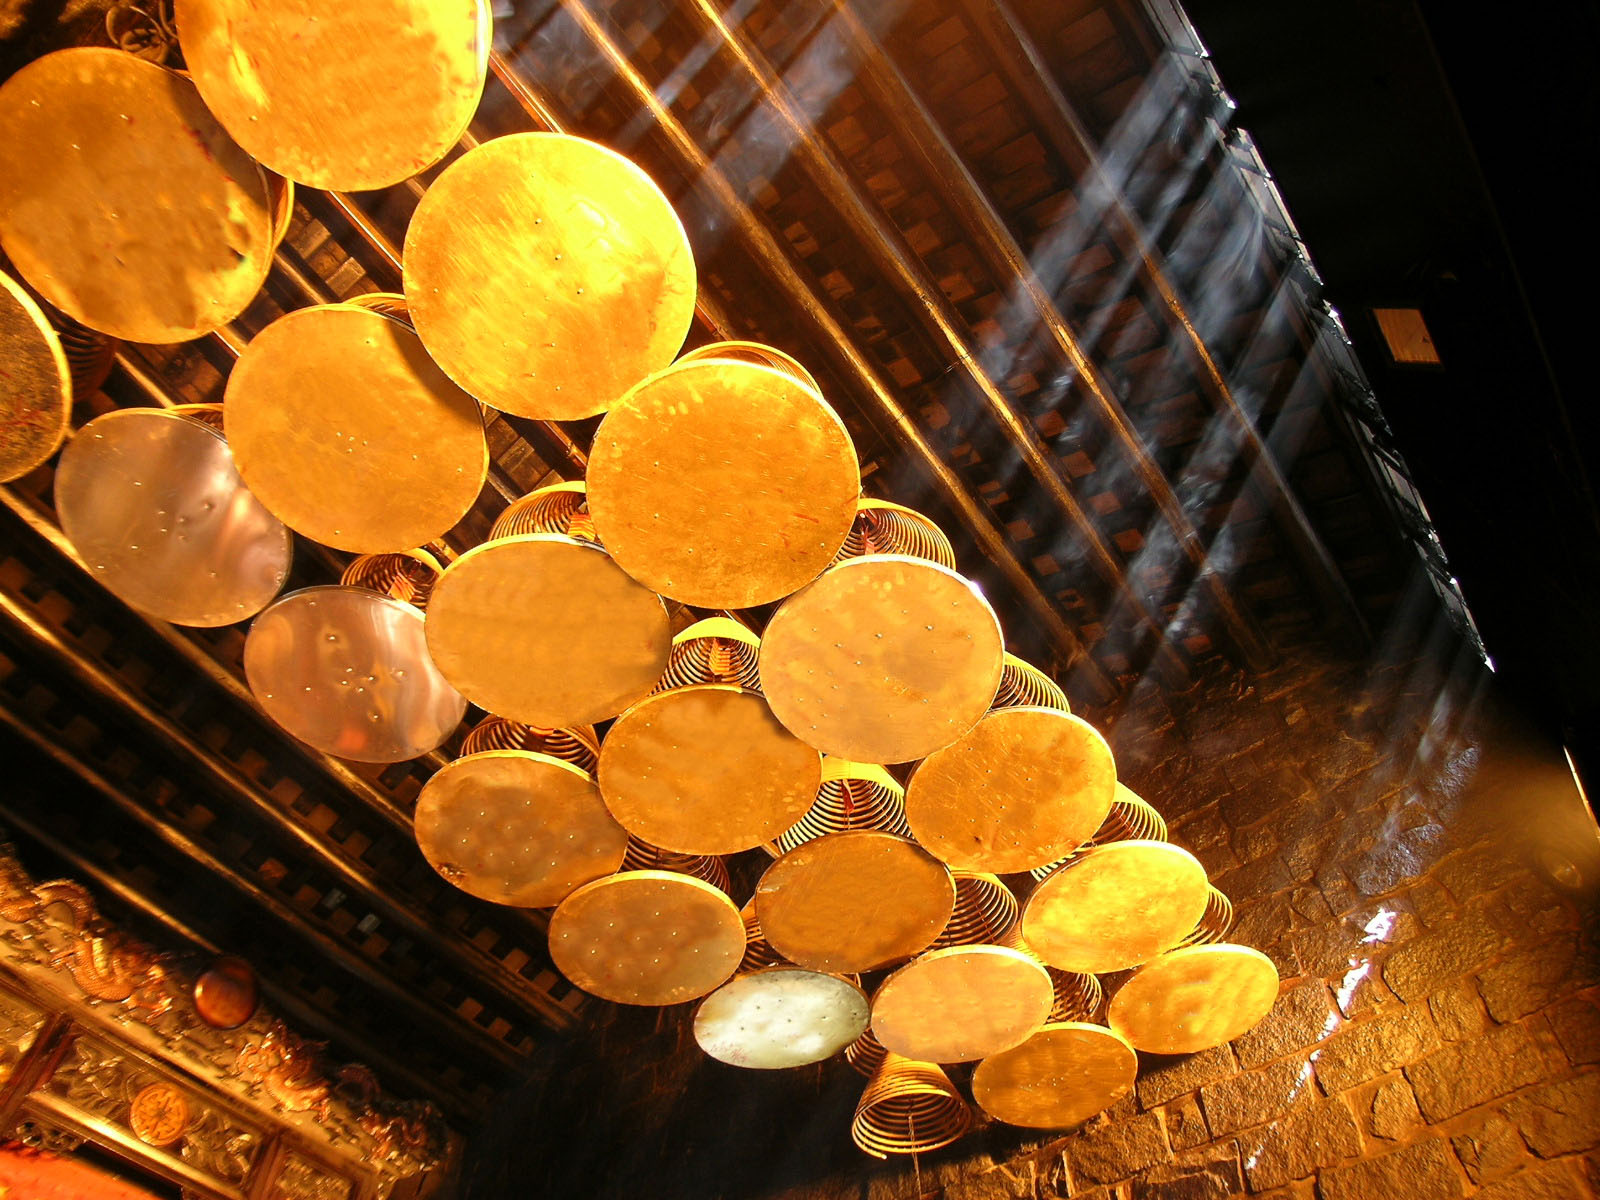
(1419, 867)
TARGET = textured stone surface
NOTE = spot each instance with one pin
(1424, 1171)
(1523, 983)
(1546, 1181)
(1458, 1011)
(1302, 1016)
(1186, 1125)
(1254, 1097)
(1115, 1150)
(1209, 1174)
(1163, 1079)
(1464, 1074)
(1489, 1148)
(1560, 1118)
(1318, 1133)
(1427, 964)
(1364, 1050)
(1393, 1111)
(1577, 1027)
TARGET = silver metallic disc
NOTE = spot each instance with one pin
(781, 1017)
(347, 671)
(153, 504)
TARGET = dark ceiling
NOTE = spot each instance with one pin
(1046, 287)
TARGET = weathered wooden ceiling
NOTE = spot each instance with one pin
(1033, 269)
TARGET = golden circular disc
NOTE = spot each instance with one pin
(548, 275)
(153, 505)
(347, 672)
(546, 630)
(1194, 998)
(517, 827)
(346, 429)
(780, 1017)
(706, 769)
(883, 659)
(1021, 788)
(850, 902)
(962, 1003)
(723, 484)
(647, 937)
(1115, 906)
(1059, 1077)
(339, 94)
(35, 383)
(123, 202)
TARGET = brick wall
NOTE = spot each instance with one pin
(1418, 866)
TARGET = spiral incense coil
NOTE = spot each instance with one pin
(1025, 686)
(758, 952)
(985, 911)
(753, 352)
(1130, 820)
(576, 744)
(550, 509)
(909, 1107)
(708, 868)
(716, 650)
(1214, 922)
(1078, 996)
(1040, 873)
(866, 1054)
(884, 528)
(403, 575)
(852, 796)
(89, 354)
(209, 415)
(389, 304)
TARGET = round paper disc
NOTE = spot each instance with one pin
(153, 505)
(1059, 1077)
(706, 769)
(124, 202)
(347, 671)
(850, 902)
(1021, 788)
(1194, 998)
(546, 630)
(568, 246)
(723, 484)
(647, 937)
(36, 399)
(517, 827)
(780, 1017)
(1115, 906)
(883, 659)
(962, 1003)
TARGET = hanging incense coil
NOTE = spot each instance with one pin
(758, 952)
(89, 353)
(1025, 686)
(716, 650)
(753, 352)
(576, 745)
(884, 528)
(560, 508)
(852, 796)
(866, 1054)
(389, 304)
(1214, 922)
(1078, 996)
(407, 575)
(985, 911)
(1131, 819)
(909, 1107)
(708, 868)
